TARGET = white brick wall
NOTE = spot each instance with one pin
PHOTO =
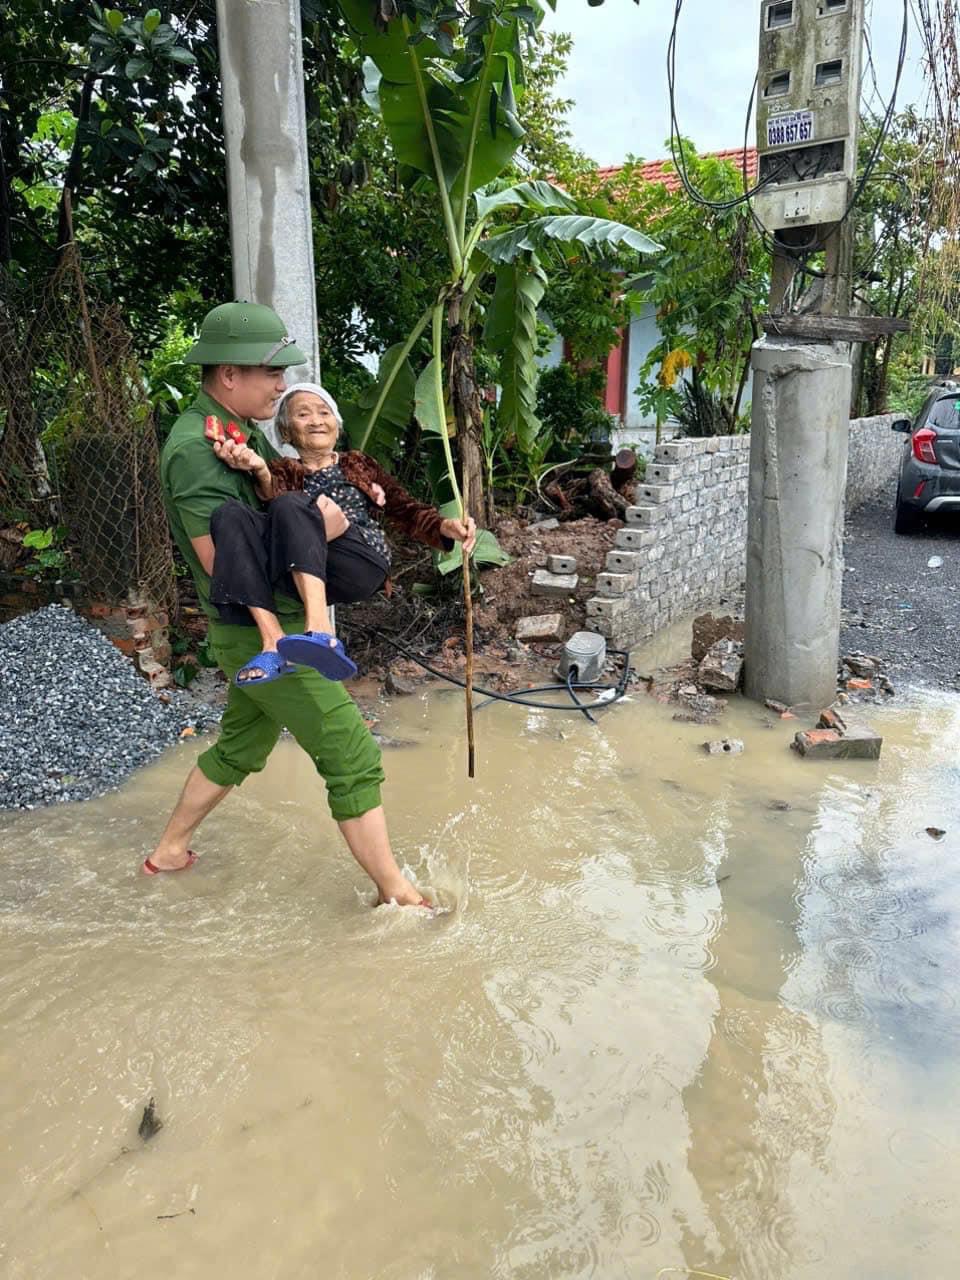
(874, 460)
(688, 531)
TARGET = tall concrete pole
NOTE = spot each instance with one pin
(807, 127)
(268, 182)
(798, 471)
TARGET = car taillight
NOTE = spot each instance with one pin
(923, 449)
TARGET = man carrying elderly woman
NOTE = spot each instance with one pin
(271, 543)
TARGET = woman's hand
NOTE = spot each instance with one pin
(464, 531)
(240, 457)
(334, 521)
(378, 495)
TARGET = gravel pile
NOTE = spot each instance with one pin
(75, 717)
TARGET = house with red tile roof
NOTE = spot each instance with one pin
(643, 334)
(664, 171)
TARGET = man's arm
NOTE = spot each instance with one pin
(203, 547)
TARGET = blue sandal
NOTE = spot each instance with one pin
(319, 650)
(272, 666)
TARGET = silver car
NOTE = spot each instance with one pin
(930, 470)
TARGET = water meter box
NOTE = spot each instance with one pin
(585, 655)
(807, 110)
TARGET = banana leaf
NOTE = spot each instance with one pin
(376, 422)
(568, 230)
(488, 550)
(510, 329)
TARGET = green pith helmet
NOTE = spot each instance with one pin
(244, 333)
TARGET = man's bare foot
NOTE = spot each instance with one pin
(403, 893)
(171, 859)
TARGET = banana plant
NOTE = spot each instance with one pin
(446, 80)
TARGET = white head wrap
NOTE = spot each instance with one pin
(315, 389)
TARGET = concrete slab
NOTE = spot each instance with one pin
(855, 742)
(540, 626)
(553, 584)
(561, 564)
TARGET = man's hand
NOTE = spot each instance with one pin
(334, 521)
(464, 531)
(379, 497)
(240, 456)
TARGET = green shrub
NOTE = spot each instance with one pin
(570, 406)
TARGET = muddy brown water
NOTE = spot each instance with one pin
(663, 1022)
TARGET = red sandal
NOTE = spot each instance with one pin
(150, 869)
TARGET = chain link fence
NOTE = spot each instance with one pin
(78, 445)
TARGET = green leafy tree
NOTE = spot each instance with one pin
(448, 91)
(905, 262)
(121, 107)
(707, 286)
(547, 150)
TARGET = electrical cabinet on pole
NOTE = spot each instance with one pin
(808, 117)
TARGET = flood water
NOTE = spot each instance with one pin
(665, 1021)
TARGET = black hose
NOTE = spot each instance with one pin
(576, 701)
(521, 697)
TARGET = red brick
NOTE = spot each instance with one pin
(830, 719)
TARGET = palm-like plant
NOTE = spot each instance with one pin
(445, 77)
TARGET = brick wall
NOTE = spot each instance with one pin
(684, 544)
(874, 461)
(686, 539)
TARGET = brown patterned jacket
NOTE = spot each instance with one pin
(415, 519)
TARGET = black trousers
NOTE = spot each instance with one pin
(255, 553)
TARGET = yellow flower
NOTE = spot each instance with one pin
(673, 365)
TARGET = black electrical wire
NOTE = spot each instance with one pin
(679, 160)
(749, 192)
(521, 698)
(887, 117)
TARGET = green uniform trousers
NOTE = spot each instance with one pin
(320, 714)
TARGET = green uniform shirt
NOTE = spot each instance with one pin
(195, 482)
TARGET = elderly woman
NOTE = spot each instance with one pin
(320, 525)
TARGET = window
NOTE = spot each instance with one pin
(777, 85)
(829, 73)
(945, 413)
(780, 15)
(827, 8)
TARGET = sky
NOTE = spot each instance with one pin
(617, 72)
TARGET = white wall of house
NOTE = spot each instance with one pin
(644, 336)
(554, 353)
(637, 428)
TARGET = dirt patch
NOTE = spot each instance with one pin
(507, 591)
(708, 629)
(426, 614)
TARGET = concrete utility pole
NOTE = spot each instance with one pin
(807, 123)
(268, 182)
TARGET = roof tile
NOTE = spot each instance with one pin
(662, 171)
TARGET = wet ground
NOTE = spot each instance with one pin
(898, 606)
(678, 1012)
